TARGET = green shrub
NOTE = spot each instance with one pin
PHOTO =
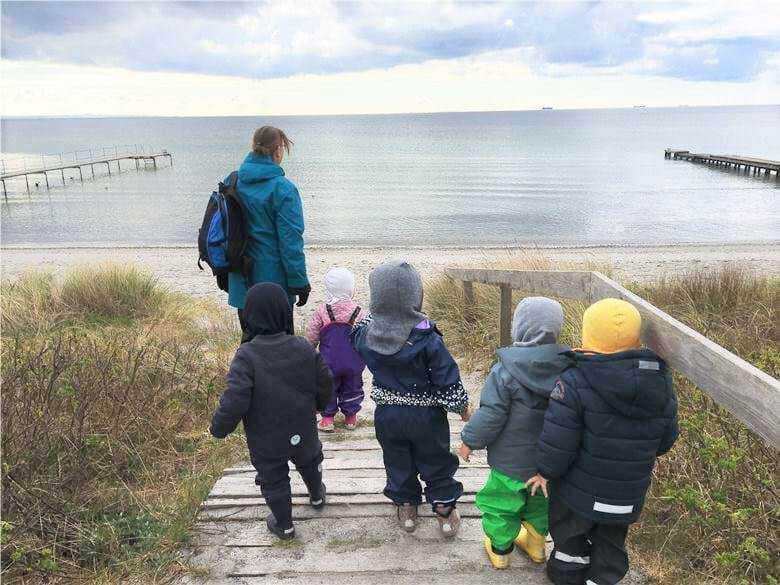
(713, 510)
(108, 382)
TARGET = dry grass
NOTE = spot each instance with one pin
(108, 383)
(712, 514)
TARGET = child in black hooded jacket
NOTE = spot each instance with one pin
(610, 416)
(276, 384)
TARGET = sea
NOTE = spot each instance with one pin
(547, 178)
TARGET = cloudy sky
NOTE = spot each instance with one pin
(328, 57)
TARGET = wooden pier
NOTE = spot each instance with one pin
(739, 163)
(62, 164)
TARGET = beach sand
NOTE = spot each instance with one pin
(177, 268)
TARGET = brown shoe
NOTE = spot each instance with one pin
(407, 516)
(449, 519)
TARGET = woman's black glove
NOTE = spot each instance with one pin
(302, 294)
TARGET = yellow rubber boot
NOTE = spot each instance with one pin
(498, 561)
(531, 542)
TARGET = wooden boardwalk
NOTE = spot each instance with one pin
(61, 166)
(354, 539)
(737, 162)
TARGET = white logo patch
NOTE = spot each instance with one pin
(294, 440)
(645, 365)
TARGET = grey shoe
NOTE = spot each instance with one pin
(449, 519)
(407, 516)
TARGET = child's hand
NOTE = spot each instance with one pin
(465, 415)
(464, 451)
(536, 482)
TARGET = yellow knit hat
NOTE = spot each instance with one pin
(610, 326)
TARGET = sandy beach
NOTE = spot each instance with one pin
(177, 268)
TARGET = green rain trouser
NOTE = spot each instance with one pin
(505, 503)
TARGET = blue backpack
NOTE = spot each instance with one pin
(223, 234)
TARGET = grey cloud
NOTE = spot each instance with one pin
(205, 37)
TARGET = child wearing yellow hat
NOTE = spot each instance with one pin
(609, 417)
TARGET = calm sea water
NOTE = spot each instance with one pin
(549, 178)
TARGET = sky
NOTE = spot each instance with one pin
(329, 57)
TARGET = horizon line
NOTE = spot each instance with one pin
(425, 113)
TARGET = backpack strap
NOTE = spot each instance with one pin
(329, 309)
(354, 315)
(230, 181)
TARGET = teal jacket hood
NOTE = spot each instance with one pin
(537, 368)
(256, 168)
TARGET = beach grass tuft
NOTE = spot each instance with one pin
(712, 512)
(108, 383)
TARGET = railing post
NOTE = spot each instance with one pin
(468, 293)
(505, 316)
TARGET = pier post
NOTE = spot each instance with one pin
(5, 193)
(108, 164)
(46, 176)
(81, 175)
(27, 182)
(92, 168)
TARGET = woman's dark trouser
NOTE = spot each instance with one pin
(584, 551)
(415, 441)
(274, 480)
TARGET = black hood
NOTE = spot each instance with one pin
(635, 382)
(267, 310)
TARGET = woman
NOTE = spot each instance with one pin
(275, 222)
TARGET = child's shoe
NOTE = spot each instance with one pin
(407, 516)
(449, 519)
(319, 502)
(498, 561)
(326, 424)
(531, 542)
(275, 529)
(350, 422)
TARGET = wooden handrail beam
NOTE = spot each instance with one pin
(750, 394)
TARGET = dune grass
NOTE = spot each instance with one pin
(108, 381)
(713, 511)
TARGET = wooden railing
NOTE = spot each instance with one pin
(753, 396)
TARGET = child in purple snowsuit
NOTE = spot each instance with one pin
(330, 326)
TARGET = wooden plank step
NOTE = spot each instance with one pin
(354, 469)
(256, 511)
(345, 463)
(348, 499)
(367, 545)
(243, 535)
(238, 486)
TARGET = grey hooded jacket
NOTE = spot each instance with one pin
(512, 407)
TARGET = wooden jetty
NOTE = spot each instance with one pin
(62, 164)
(756, 165)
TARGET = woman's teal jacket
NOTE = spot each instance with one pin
(275, 222)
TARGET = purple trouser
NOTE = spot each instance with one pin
(347, 368)
(347, 395)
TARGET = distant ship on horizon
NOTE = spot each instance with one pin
(640, 106)
(547, 107)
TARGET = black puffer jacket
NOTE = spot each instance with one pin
(276, 384)
(608, 419)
